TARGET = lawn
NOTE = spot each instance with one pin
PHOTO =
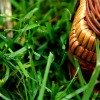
(34, 56)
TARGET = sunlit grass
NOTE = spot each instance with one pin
(35, 62)
(42, 90)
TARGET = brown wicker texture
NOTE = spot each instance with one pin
(85, 30)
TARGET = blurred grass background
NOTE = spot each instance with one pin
(34, 63)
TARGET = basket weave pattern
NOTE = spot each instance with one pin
(85, 29)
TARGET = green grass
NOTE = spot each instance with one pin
(34, 63)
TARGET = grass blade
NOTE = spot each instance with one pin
(22, 68)
(41, 92)
(68, 97)
(3, 80)
(4, 97)
(81, 78)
